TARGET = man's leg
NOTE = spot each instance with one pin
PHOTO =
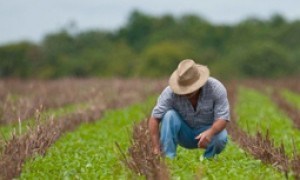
(173, 131)
(216, 145)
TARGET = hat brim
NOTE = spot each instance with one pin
(181, 90)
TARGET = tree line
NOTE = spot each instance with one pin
(152, 46)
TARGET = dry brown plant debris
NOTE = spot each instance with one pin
(141, 158)
(261, 147)
(292, 112)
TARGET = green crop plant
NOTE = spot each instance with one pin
(257, 112)
(291, 97)
(6, 131)
(233, 163)
(90, 153)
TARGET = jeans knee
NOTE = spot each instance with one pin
(220, 142)
(171, 116)
(170, 113)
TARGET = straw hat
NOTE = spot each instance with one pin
(188, 77)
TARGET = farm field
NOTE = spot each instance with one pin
(96, 129)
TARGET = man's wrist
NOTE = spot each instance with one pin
(213, 130)
(218, 126)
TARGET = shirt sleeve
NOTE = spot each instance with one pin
(221, 105)
(164, 103)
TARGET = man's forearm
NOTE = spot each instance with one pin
(218, 126)
(206, 136)
(154, 132)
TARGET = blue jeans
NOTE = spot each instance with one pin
(175, 131)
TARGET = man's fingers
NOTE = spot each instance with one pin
(199, 136)
(156, 150)
(202, 139)
(199, 144)
(202, 144)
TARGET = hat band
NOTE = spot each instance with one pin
(188, 82)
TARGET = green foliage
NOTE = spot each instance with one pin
(152, 46)
(260, 59)
(90, 153)
(289, 35)
(138, 29)
(232, 163)
(9, 129)
(257, 112)
(161, 59)
(16, 59)
(291, 97)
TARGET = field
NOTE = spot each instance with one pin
(97, 129)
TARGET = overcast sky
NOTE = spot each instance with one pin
(32, 19)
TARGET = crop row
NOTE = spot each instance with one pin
(94, 151)
(255, 130)
(268, 113)
(20, 99)
(90, 152)
(9, 131)
(261, 144)
(23, 98)
(76, 94)
(115, 94)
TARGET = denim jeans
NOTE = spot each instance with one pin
(175, 131)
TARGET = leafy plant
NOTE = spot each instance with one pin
(257, 112)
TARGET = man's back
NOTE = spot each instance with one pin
(212, 104)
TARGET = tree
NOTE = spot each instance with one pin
(161, 59)
(262, 59)
(15, 60)
(137, 30)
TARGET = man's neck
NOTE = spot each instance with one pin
(194, 99)
(195, 96)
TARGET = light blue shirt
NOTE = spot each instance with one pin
(212, 104)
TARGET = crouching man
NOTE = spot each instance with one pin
(191, 112)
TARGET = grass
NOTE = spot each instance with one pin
(257, 112)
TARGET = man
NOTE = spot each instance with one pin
(193, 111)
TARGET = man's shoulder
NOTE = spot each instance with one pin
(215, 86)
(214, 83)
(167, 92)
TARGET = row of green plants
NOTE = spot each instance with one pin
(257, 112)
(291, 97)
(22, 126)
(91, 152)
(41, 136)
(233, 163)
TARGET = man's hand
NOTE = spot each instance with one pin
(204, 138)
(156, 150)
(154, 134)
